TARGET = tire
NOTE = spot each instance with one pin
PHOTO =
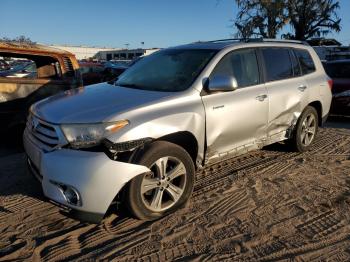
(305, 130)
(173, 189)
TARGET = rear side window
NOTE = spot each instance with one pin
(277, 63)
(306, 63)
(295, 64)
(242, 64)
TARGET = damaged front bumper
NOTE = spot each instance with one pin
(81, 180)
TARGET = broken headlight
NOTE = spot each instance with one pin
(88, 135)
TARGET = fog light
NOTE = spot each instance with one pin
(70, 193)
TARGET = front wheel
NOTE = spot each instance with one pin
(167, 187)
(305, 130)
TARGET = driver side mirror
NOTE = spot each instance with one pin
(221, 83)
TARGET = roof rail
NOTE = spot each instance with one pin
(247, 40)
(277, 40)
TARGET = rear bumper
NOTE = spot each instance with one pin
(96, 178)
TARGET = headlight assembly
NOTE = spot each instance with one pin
(88, 135)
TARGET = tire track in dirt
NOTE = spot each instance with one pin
(260, 206)
(60, 246)
(219, 176)
(232, 202)
(289, 253)
(321, 225)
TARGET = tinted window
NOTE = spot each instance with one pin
(306, 63)
(338, 70)
(277, 63)
(295, 64)
(242, 65)
(168, 70)
(33, 67)
(20, 69)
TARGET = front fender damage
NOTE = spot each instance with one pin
(121, 149)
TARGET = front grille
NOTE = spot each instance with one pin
(44, 134)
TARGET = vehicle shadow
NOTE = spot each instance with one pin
(338, 122)
(278, 147)
(14, 176)
(10, 144)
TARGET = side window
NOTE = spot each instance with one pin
(241, 64)
(29, 67)
(277, 63)
(306, 63)
(19, 68)
(295, 64)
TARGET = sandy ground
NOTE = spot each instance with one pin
(267, 205)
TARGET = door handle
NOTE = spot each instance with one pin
(302, 88)
(261, 98)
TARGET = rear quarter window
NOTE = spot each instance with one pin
(277, 63)
(305, 60)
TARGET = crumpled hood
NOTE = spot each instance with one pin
(92, 104)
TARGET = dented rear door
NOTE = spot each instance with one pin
(286, 104)
(287, 91)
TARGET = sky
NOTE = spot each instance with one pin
(115, 23)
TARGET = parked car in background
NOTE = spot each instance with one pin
(329, 49)
(140, 138)
(91, 72)
(114, 69)
(26, 69)
(339, 71)
(36, 72)
(4, 65)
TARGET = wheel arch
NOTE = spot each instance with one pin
(318, 106)
(184, 139)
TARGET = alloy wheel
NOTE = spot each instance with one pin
(164, 186)
(308, 130)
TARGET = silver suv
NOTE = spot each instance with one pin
(141, 138)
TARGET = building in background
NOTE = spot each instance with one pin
(124, 54)
(84, 52)
(104, 53)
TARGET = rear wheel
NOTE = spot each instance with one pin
(305, 130)
(167, 187)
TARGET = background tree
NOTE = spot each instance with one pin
(307, 18)
(261, 18)
(19, 39)
(310, 18)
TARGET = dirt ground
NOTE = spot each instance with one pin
(267, 205)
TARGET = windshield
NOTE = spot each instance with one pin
(168, 70)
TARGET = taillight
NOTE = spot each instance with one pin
(330, 83)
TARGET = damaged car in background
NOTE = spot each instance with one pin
(339, 71)
(31, 72)
(139, 140)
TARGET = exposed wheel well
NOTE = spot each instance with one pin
(184, 139)
(318, 106)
